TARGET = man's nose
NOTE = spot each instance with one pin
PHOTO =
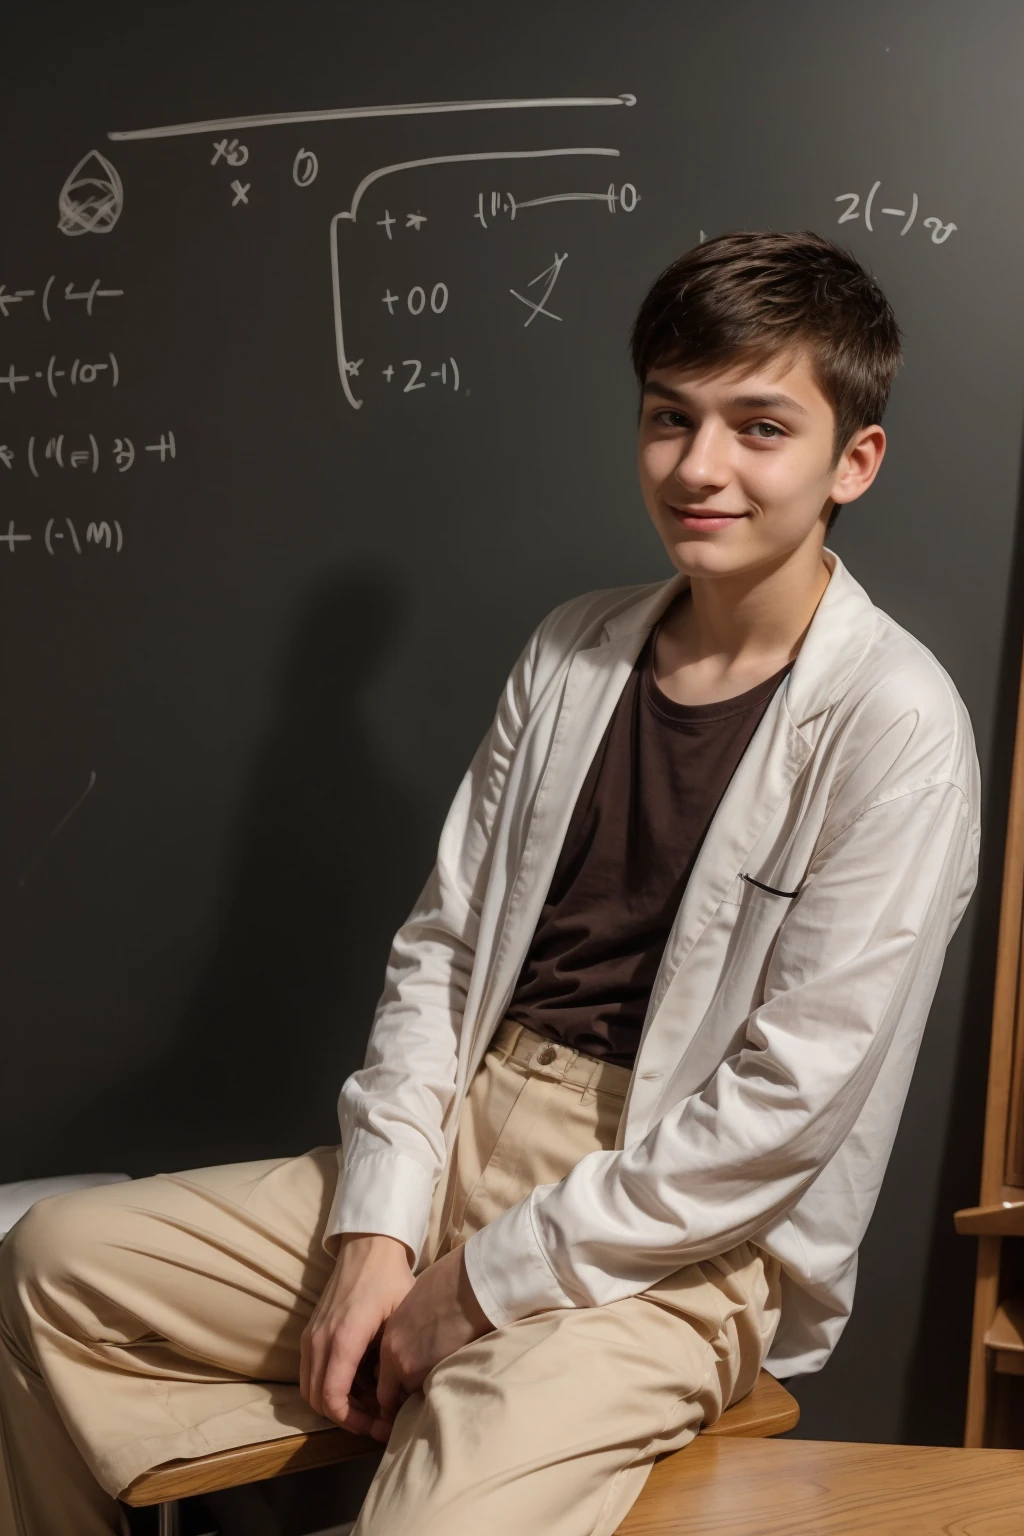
(704, 461)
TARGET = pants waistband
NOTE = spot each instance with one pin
(560, 1063)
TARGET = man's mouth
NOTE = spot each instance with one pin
(704, 518)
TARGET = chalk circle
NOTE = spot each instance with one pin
(304, 168)
(91, 199)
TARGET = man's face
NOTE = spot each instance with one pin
(708, 444)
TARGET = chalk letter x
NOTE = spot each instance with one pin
(551, 273)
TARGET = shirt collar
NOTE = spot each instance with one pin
(836, 639)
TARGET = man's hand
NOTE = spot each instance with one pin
(439, 1315)
(372, 1275)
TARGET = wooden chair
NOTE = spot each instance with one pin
(768, 1410)
(995, 1401)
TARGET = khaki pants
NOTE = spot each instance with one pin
(158, 1319)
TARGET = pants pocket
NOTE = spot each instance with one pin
(493, 1095)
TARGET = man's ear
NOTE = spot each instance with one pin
(859, 464)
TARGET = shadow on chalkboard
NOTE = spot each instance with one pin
(327, 856)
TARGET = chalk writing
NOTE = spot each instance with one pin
(164, 447)
(413, 221)
(12, 539)
(231, 151)
(61, 452)
(87, 791)
(76, 456)
(343, 114)
(421, 298)
(87, 296)
(304, 168)
(79, 373)
(551, 273)
(416, 300)
(63, 531)
(97, 535)
(415, 378)
(940, 232)
(18, 297)
(92, 198)
(626, 198)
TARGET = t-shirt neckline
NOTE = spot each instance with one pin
(720, 709)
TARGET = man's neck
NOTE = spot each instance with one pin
(726, 634)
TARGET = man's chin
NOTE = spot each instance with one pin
(698, 557)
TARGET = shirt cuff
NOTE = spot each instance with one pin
(507, 1269)
(383, 1192)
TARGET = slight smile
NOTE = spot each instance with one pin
(690, 518)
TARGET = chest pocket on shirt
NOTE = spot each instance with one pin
(752, 919)
(750, 891)
(770, 890)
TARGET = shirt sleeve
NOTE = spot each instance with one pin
(391, 1110)
(854, 969)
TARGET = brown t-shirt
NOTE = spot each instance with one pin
(639, 820)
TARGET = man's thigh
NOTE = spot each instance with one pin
(224, 1264)
(550, 1423)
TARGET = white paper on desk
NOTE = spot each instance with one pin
(15, 1199)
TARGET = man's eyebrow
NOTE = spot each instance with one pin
(776, 400)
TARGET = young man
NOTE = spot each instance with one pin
(644, 1040)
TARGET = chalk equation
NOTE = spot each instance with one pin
(63, 533)
(414, 221)
(231, 152)
(416, 380)
(940, 232)
(228, 152)
(12, 298)
(58, 451)
(228, 148)
(624, 197)
(80, 372)
(432, 298)
(415, 299)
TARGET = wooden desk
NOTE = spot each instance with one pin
(830, 1488)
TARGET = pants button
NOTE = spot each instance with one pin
(546, 1055)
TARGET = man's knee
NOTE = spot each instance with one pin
(44, 1249)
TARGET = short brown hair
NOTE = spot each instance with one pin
(750, 295)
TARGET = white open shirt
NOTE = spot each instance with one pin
(781, 1033)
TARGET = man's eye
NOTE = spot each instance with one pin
(670, 418)
(771, 427)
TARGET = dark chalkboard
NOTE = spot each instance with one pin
(312, 403)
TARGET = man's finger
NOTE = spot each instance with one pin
(317, 1362)
(341, 1364)
(304, 1365)
(388, 1386)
